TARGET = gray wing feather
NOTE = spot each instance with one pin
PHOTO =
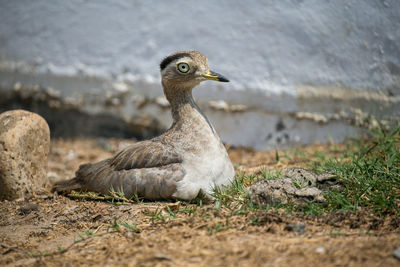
(147, 169)
(145, 154)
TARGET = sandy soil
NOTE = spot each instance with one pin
(48, 230)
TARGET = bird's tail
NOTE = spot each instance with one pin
(67, 185)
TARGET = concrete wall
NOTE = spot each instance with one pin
(300, 71)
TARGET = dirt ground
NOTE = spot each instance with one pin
(51, 230)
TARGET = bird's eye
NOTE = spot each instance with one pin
(183, 67)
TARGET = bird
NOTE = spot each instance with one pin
(186, 161)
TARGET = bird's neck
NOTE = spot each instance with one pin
(184, 109)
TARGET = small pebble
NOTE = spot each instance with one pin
(298, 228)
(28, 208)
(104, 144)
(396, 253)
(162, 256)
(70, 156)
(72, 208)
(53, 177)
(128, 234)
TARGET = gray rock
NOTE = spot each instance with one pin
(28, 208)
(24, 147)
(300, 229)
(309, 194)
(297, 185)
(275, 191)
(269, 192)
(303, 178)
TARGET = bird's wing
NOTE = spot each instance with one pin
(145, 154)
(148, 169)
(149, 183)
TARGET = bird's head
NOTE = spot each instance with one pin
(186, 70)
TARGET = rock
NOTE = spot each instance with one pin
(70, 156)
(275, 191)
(309, 194)
(300, 229)
(298, 185)
(162, 102)
(219, 105)
(24, 147)
(270, 192)
(329, 181)
(54, 177)
(28, 208)
(161, 256)
(303, 178)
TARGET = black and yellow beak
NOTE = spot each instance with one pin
(210, 75)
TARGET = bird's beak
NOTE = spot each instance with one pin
(210, 75)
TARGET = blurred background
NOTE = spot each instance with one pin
(301, 71)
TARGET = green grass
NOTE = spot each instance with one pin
(372, 175)
(219, 227)
(114, 197)
(369, 169)
(114, 227)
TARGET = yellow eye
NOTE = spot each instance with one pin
(183, 67)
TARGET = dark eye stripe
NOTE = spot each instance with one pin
(169, 59)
